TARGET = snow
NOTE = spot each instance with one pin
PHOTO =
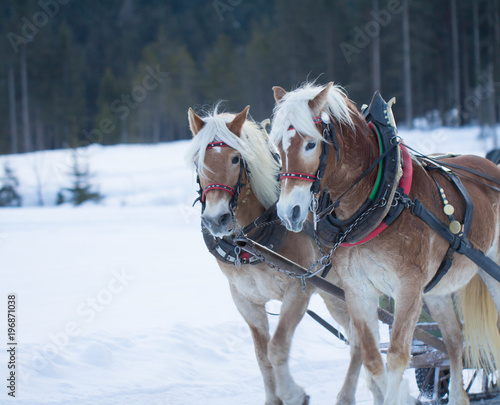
(120, 303)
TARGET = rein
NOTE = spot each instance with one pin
(382, 206)
(475, 172)
(376, 187)
(455, 233)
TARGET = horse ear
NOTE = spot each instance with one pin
(279, 93)
(237, 123)
(195, 122)
(318, 103)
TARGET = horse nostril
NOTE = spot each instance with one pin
(205, 222)
(295, 213)
(224, 219)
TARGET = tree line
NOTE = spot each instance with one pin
(120, 71)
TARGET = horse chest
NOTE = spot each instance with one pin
(258, 283)
(370, 273)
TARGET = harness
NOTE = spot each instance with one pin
(454, 233)
(235, 192)
(267, 229)
(380, 208)
(329, 135)
(386, 202)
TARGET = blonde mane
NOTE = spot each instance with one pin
(254, 147)
(294, 110)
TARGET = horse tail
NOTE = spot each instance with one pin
(480, 317)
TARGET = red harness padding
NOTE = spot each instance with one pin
(404, 183)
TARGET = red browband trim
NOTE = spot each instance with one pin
(316, 120)
(216, 186)
(298, 176)
(216, 144)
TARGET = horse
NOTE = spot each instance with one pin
(398, 260)
(237, 171)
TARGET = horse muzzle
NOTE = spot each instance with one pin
(218, 225)
(293, 216)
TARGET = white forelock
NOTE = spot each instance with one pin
(253, 145)
(294, 110)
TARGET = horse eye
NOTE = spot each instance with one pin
(235, 160)
(310, 145)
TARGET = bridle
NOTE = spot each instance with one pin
(235, 192)
(329, 135)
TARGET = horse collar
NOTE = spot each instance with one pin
(381, 207)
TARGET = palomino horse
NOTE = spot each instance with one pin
(238, 169)
(401, 260)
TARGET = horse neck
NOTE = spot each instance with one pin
(358, 150)
(248, 207)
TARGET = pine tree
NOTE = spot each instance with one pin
(81, 189)
(9, 196)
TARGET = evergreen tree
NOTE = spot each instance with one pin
(9, 196)
(86, 55)
(81, 189)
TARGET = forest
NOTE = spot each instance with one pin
(77, 72)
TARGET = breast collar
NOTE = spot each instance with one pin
(383, 205)
(267, 230)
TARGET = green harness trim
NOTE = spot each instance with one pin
(380, 167)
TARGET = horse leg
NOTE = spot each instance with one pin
(443, 312)
(346, 395)
(294, 306)
(256, 318)
(408, 306)
(363, 305)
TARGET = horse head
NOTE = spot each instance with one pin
(220, 175)
(234, 164)
(307, 124)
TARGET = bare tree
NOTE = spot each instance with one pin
(376, 53)
(330, 45)
(25, 101)
(475, 35)
(407, 66)
(12, 110)
(456, 59)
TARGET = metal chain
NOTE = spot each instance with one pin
(325, 260)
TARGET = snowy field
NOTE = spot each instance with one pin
(120, 303)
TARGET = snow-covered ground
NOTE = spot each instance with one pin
(120, 303)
